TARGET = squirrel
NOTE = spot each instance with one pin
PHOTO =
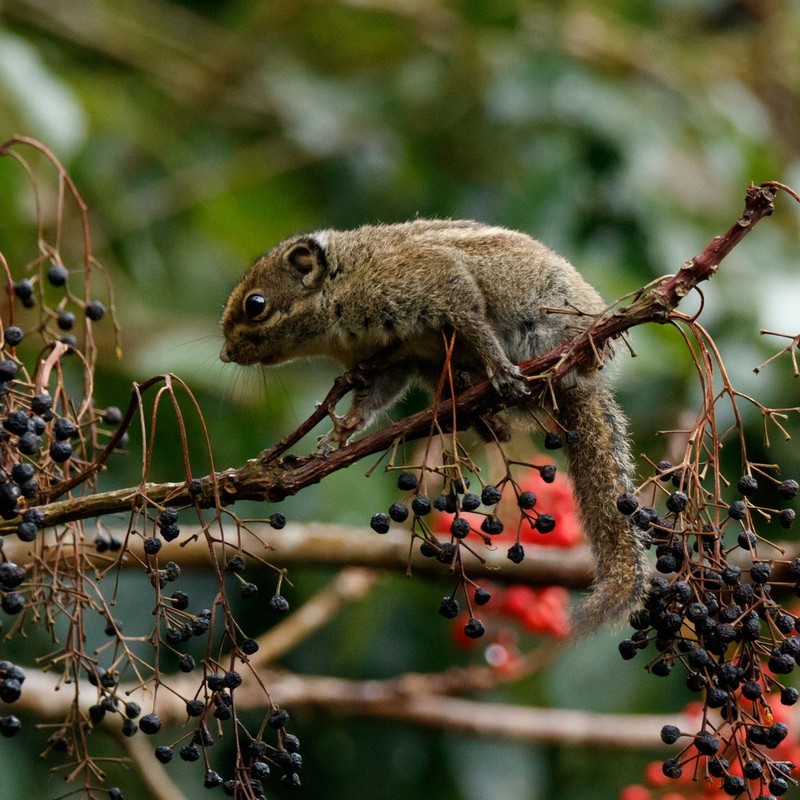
(394, 289)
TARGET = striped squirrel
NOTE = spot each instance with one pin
(395, 288)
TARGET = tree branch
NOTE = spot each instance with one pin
(341, 545)
(272, 476)
(404, 699)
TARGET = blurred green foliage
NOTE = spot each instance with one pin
(621, 134)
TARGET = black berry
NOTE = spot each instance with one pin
(24, 289)
(379, 523)
(470, 501)
(152, 544)
(13, 335)
(677, 502)
(737, 510)
(279, 604)
(194, 708)
(277, 521)
(10, 726)
(545, 523)
(516, 553)
(552, 441)
(481, 596)
(278, 719)
(398, 512)
(65, 320)
(448, 607)
(787, 490)
(57, 275)
(189, 752)
(747, 485)
(526, 501)
(627, 504)
(490, 495)
(406, 481)
(95, 310)
(150, 724)
(421, 505)
(548, 473)
(492, 525)
(8, 369)
(236, 564)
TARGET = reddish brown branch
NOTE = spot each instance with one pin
(269, 477)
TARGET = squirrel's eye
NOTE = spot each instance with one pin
(255, 305)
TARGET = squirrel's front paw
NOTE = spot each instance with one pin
(343, 428)
(511, 384)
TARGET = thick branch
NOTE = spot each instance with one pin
(271, 478)
(341, 545)
(401, 700)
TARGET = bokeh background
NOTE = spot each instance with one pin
(622, 134)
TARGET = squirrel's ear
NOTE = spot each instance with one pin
(307, 261)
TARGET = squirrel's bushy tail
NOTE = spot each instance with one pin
(601, 467)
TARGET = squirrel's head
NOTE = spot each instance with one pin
(273, 314)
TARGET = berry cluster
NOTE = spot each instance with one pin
(53, 443)
(715, 610)
(248, 590)
(42, 437)
(256, 758)
(457, 516)
(11, 679)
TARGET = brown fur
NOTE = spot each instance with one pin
(351, 294)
